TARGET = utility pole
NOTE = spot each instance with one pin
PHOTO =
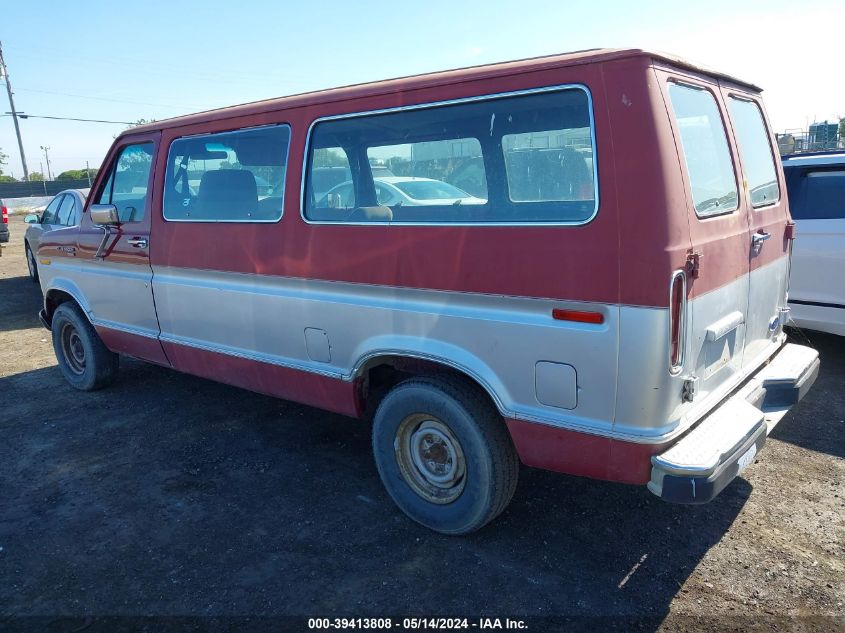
(88, 173)
(4, 72)
(47, 156)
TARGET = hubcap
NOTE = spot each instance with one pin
(430, 458)
(73, 349)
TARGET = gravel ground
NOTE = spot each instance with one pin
(169, 495)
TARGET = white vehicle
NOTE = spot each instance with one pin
(816, 186)
(404, 191)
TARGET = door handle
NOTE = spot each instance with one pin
(138, 242)
(758, 238)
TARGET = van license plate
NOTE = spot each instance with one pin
(747, 458)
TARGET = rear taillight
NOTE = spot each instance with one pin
(677, 319)
(5, 215)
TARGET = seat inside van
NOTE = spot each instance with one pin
(224, 191)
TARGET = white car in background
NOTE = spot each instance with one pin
(816, 186)
(406, 191)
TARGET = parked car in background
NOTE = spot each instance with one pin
(401, 190)
(816, 186)
(325, 178)
(63, 211)
(4, 222)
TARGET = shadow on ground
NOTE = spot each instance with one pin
(817, 422)
(169, 494)
(20, 305)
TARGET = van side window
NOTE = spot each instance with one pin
(817, 194)
(755, 151)
(128, 182)
(704, 143)
(518, 158)
(234, 176)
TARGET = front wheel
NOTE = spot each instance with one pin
(31, 264)
(83, 358)
(444, 454)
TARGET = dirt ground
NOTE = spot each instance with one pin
(169, 495)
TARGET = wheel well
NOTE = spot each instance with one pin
(54, 299)
(379, 375)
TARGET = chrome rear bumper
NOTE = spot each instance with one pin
(698, 466)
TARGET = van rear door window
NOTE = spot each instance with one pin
(521, 158)
(758, 163)
(234, 176)
(705, 147)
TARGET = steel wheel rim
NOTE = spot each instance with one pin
(430, 458)
(73, 349)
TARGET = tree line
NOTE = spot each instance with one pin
(70, 174)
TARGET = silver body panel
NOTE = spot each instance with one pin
(767, 293)
(114, 295)
(497, 340)
(623, 387)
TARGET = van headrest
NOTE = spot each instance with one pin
(227, 192)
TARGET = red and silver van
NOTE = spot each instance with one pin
(576, 262)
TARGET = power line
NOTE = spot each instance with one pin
(21, 115)
(111, 100)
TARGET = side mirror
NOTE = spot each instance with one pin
(32, 218)
(104, 214)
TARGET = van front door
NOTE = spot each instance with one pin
(114, 263)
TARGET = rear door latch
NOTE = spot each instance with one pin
(694, 263)
(689, 389)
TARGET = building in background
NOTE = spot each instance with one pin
(819, 137)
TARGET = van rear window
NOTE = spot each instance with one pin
(227, 177)
(758, 163)
(523, 158)
(705, 148)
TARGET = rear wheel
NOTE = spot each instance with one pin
(444, 454)
(85, 361)
(31, 264)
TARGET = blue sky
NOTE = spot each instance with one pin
(127, 61)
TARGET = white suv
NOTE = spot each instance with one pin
(816, 186)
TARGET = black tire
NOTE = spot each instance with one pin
(85, 361)
(31, 263)
(464, 412)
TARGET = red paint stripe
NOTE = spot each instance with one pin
(339, 396)
(148, 349)
(573, 453)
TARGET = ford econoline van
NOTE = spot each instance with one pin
(586, 271)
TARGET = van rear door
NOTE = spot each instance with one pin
(768, 248)
(718, 265)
